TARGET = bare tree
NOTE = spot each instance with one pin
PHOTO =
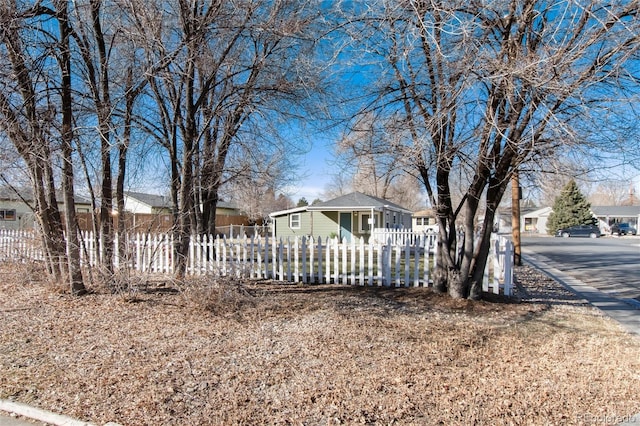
(487, 86)
(67, 138)
(35, 106)
(221, 68)
(255, 179)
(367, 154)
(613, 193)
(94, 45)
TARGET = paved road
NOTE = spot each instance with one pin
(610, 264)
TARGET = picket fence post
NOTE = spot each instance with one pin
(327, 260)
(320, 279)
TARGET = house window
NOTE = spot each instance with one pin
(7, 214)
(294, 221)
(365, 222)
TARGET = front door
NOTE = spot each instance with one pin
(345, 227)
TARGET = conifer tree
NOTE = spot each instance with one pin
(570, 208)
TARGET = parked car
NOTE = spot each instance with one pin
(623, 229)
(590, 231)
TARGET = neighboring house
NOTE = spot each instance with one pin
(424, 221)
(138, 202)
(535, 221)
(349, 216)
(16, 213)
(224, 208)
(152, 212)
(608, 215)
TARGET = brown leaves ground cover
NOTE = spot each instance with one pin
(262, 353)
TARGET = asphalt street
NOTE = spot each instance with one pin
(609, 264)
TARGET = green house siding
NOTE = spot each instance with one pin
(283, 228)
(325, 224)
(316, 224)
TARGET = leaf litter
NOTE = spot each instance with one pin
(220, 352)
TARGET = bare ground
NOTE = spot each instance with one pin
(263, 353)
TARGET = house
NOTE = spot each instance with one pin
(142, 203)
(139, 202)
(608, 215)
(150, 212)
(424, 221)
(535, 221)
(349, 216)
(16, 213)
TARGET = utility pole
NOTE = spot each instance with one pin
(516, 195)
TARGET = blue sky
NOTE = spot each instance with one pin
(316, 171)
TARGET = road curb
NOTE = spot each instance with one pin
(41, 415)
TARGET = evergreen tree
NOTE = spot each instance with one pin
(570, 208)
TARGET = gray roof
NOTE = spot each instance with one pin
(355, 201)
(9, 194)
(152, 200)
(163, 202)
(620, 211)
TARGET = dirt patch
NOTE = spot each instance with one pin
(253, 353)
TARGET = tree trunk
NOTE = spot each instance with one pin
(457, 284)
(71, 224)
(186, 213)
(102, 97)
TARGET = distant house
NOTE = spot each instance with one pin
(535, 221)
(608, 215)
(16, 212)
(150, 212)
(139, 202)
(424, 221)
(349, 216)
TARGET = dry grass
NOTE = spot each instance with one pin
(256, 353)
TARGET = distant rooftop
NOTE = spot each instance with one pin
(356, 199)
(619, 211)
(162, 201)
(9, 194)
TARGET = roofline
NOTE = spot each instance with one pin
(288, 211)
(359, 209)
(345, 208)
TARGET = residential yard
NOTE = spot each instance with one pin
(260, 353)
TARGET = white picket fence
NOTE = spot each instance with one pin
(20, 246)
(399, 236)
(298, 260)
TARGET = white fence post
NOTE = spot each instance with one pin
(320, 277)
